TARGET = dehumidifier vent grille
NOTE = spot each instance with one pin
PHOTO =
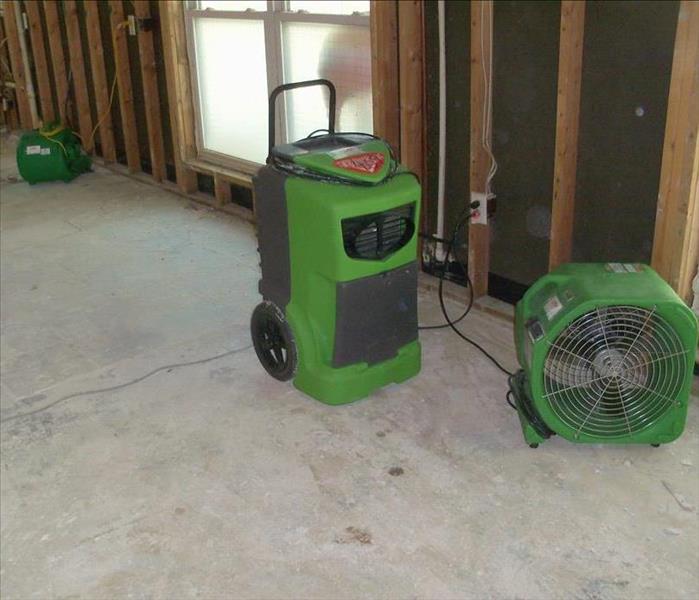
(377, 235)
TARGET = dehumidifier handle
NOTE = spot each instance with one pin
(292, 86)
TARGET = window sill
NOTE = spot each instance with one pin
(208, 168)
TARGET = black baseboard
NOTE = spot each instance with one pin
(505, 289)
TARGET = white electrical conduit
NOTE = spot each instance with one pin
(31, 96)
(487, 93)
(442, 123)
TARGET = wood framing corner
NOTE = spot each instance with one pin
(186, 177)
(181, 102)
(676, 241)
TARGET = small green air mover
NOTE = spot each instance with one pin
(607, 352)
(51, 153)
(336, 219)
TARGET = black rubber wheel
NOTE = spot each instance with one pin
(533, 445)
(655, 445)
(273, 340)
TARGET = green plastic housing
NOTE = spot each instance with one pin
(580, 288)
(319, 262)
(44, 155)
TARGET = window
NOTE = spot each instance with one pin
(241, 49)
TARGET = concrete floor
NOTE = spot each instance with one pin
(215, 480)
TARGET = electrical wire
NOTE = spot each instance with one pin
(462, 220)
(90, 142)
(452, 323)
(121, 386)
(487, 97)
(508, 398)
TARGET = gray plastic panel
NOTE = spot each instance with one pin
(376, 316)
(273, 235)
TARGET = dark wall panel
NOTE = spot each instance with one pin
(458, 65)
(627, 63)
(430, 177)
(525, 72)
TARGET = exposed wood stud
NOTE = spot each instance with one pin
(384, 71)
(479, 162)
(411, 84)
(125, 88)
(58, 60)
(150, 93)
(570, 57)
(17, 65)
(222, 190)
(676, 241)
(41, 65)
(11, 113)
(102, 86)
(186, 178)
(75, 51)
(184, 106)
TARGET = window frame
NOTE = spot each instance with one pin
(273, 20)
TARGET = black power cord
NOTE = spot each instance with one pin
(464, 218)
(461, 221)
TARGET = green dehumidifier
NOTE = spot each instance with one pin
(336, 220)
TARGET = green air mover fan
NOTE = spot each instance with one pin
(607, 352)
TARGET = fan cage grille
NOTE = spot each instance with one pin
(614, 371)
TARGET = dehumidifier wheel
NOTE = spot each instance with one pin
(274, 341)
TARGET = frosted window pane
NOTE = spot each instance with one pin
(340, 53)
(233, 4)
(330, 7)
(232, 86)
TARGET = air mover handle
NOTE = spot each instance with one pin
(292, 86)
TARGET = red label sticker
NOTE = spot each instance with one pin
(369, 162)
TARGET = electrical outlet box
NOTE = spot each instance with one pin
(479, 215)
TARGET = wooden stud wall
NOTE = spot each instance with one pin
(186, 178)
(58, 60)
(146, 51)
(176, 57)
(103, 89)
(11, 114)
(16, 63)
(398, 82)
(77, 68)
(118, 25)
(40, 63)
